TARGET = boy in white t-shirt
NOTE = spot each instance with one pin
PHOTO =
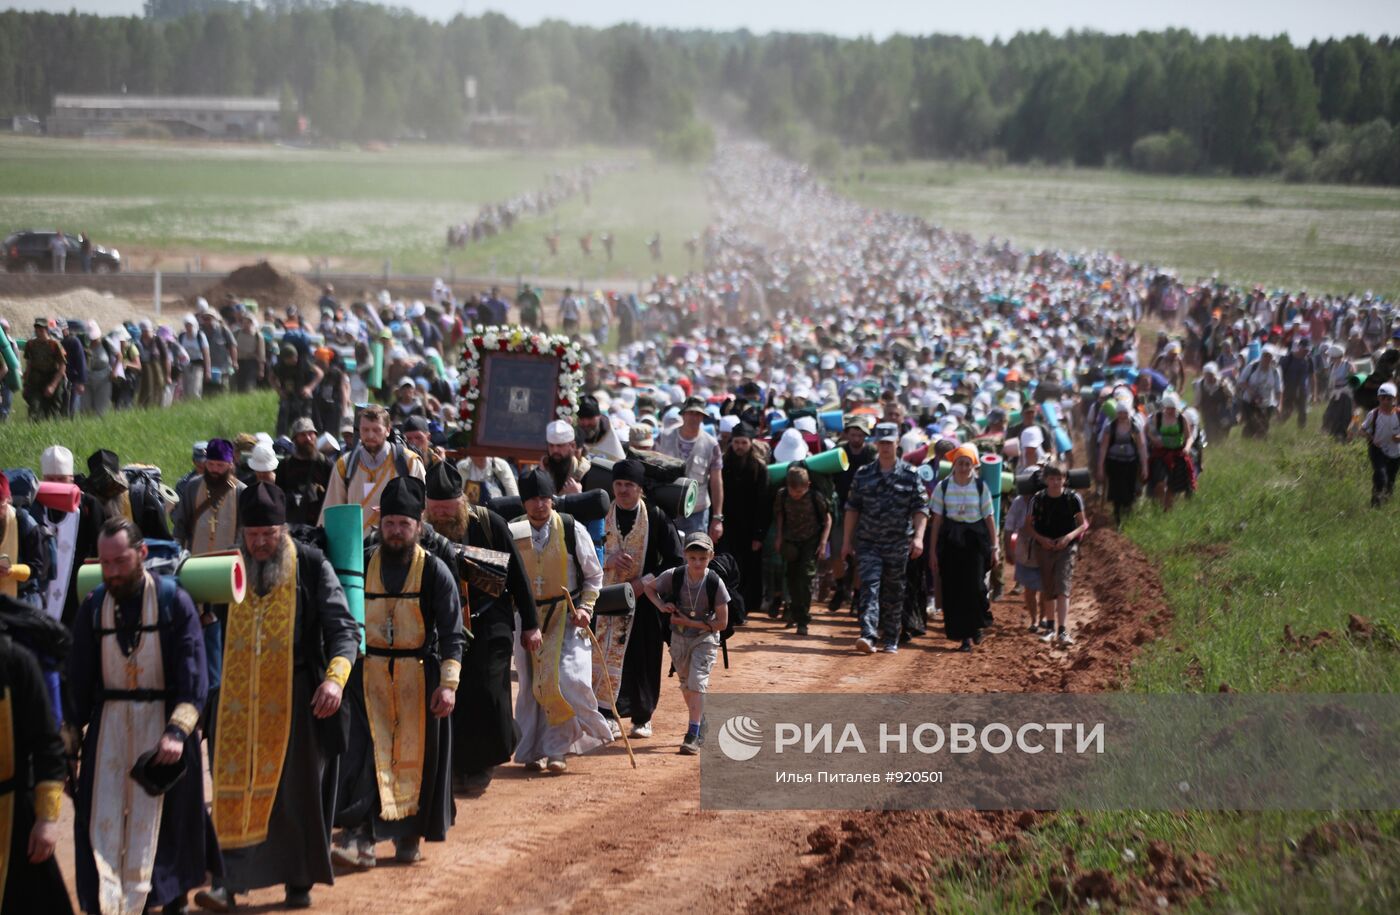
(1382, 428)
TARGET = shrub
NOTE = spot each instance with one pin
(1298, 164)
(693, 141)
(1170, 153)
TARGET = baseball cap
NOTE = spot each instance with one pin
(694, 405)
(700, 541)
(886, 432)
(1386, 390)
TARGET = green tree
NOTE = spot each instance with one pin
(1341, 81)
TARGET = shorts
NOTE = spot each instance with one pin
(693, 657)
(1056, 570)
(1028, 577)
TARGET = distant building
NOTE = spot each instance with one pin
(215, 117)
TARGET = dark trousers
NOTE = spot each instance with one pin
(1295, 398)
(1383, 470)
(246, 379)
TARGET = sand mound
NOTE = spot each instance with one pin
(107, 309)
(264, 283)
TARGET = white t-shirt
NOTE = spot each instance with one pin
(1380, 428)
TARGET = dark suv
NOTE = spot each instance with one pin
(28, 251)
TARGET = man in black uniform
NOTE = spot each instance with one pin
(484, 734)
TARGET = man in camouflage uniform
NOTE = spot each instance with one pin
(884, 528)
(45, 374)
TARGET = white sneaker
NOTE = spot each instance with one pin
(615, 728)
(1066, 638)
(556, 764)
(864, 646)
(535, 765)
(1048, 637)
(639, 730)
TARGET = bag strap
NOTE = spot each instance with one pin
(571, 544)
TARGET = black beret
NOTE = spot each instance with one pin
(743, 430)
(629, 471)
(103, 460)
(536, 484)
(402, 496)
(262, 505)
(588, 407)
(415, 423)
(444, 481)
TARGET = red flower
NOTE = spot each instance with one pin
(559, 350)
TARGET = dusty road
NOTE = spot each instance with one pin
(606, 838)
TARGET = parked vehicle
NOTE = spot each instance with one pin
(30, 251)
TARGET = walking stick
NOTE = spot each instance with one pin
(607, 679)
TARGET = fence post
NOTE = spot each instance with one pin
(157, 292)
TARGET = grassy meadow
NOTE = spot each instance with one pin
(1246, 230)
(1276, 536)
(138, 436)
(353, 207)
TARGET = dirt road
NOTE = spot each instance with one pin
(605, 838)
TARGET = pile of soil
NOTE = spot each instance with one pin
(264, 283)
(108, 310)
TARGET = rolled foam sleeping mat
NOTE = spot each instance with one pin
(991, 472)
(833, 420)
(1051, 411)
(615, 600)
(15, 379)
(215, 578)
(834, 460)
(376, 373)
(1028, 481)
(779, 425)
(677, 499)
(1012, 419)
(345, 548)
(21, 572)
(916, 456)
(61, 497)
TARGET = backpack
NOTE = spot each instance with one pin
(353, 463)
(727, 568)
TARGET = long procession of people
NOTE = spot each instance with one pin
(872, 414)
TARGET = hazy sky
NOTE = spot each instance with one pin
(1303, 20)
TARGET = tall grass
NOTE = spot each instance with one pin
(1279, 533)
(160, 437)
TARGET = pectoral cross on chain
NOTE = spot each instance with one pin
(539, 584)
(389, 629)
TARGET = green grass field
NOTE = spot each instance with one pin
(159, 437)
(1246, 230)
(356, 206)
(1276, 535)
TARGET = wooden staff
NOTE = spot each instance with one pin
(592, 637)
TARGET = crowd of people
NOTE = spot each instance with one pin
(869, 412)
(559, 187)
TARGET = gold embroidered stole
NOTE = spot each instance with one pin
(548, 570)
(612, 631)
(215, 528)
(125, 820)
(255, 708)
(7, 771)
(367, 485)
(396, 688)
(9, 546)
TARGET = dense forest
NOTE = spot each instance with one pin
(1165, 101)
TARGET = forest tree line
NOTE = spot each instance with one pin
(1157, 101)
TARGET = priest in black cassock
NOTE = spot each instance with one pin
(288, 651)
(397, 775)
(136, 681)
(484, 733)
(30, 754)
(638, 541)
